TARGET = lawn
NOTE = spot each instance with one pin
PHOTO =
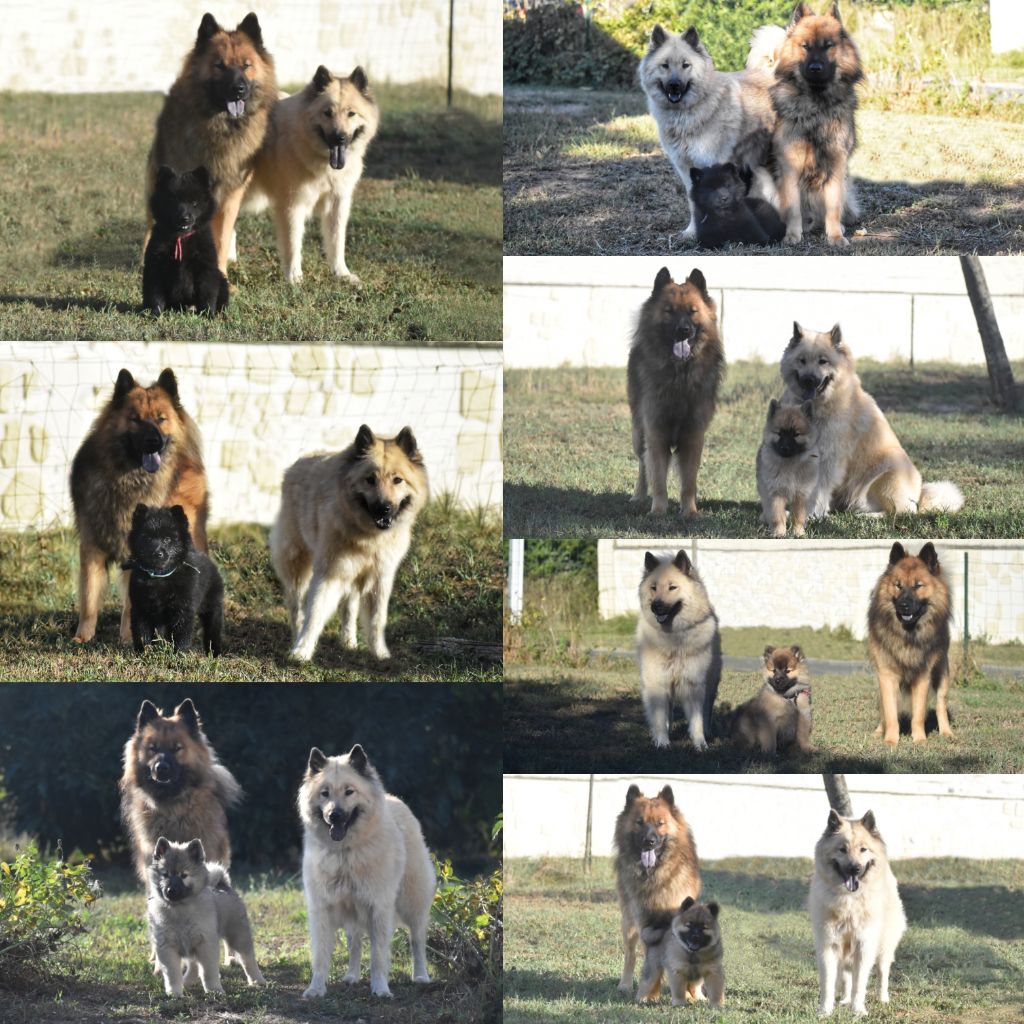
(448, 586)
(560, 718)
(570, 468)
(585, 174)
(960, 960)
(424, 234)
(110, 978)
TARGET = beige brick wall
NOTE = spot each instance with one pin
(580, 310)
(62, 46)
(821, 583)
(259, 407)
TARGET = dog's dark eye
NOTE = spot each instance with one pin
(863, 849)
(693, 311)
(221, 66)
(349, 791)
(371, 479)
(672, 586)
(325, 792)
(161, 419)
(396, 480)
(184, 875)
(918, 586)
(247, 65)
(351, 113)
(686, 66)
(802, 360)
(843, 848)
(329, 111)
(136, 419)
(150, 748)
(823, 361)
(665, 65)
(178, 748)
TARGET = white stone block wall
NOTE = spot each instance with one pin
(774, 816)
(258, 407)
(580, 310)
(64, 46)
(821, 583)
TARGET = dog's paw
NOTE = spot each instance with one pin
(352, 978)
(839, 240)
(348, 277)
(299, 653)
(380, 988)
(316, 989)
(658, 508)
(422, 979)
(293, 276)
(794, 236)
(626, 987)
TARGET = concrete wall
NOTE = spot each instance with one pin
(774, 816)
(61, 46)
(579, 310)
(259, 407)
(748, 581)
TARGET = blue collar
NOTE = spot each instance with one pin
(152, 573)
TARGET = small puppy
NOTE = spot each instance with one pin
(171, 582)
(787, 466)
(726, 212)
(688, 950)
(191, 907)
(180, 268)
(780, 714)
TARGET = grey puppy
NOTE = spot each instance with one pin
(191, 908)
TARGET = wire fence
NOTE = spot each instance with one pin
(258, 408)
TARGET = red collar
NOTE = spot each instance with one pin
(178, 247)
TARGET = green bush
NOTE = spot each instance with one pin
(543, 559)
(41, 904)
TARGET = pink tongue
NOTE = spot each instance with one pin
(151, 462)
(681, 350)
(647, 858)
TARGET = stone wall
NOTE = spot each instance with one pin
(782, 816)
(579, 310)
(259, 407)
(822, 583)
(62, 46)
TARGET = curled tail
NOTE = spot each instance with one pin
(942, 496)
(219, 878)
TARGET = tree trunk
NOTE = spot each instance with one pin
(1000, 375)
(838, 794)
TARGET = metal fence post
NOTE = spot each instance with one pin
(967, 617)
(588, 850)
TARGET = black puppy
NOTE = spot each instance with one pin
(171, 582)
(180, 270)
(725, 211)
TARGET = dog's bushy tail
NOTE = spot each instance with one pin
(219, 878)
(942, 496)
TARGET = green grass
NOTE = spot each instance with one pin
(424, 234)
(110, 978)
(564, 719)
(585, 174)
(942, 415)
(448, 586)
(960, 960)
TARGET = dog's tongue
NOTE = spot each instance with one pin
(681, 350)
(151, 462)
(853, 883)
(337, 832)
(647, 858)
(236, 108)
(337, 157)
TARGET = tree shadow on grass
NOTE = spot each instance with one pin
(116, 244)
(56, 304)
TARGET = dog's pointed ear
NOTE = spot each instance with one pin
(208, 28)
(139, 514)
(169, 383)
(250, 25)
(682, 562)
(357, 759)
(868, 821)
(668, 796)
(180, 519)
(317, 760)
(834, 11)
(696, 278)
(896, 553)
(808, 409)
(147, 712)
(364, 440)
(696, 173)
(773, 408)
(835, 822)
(690, 36)
(928, 555)
(686, 904)
(651, 561)
(161, 848)
(195, 851)
(836, 335)
(658, 37)
(798, 335)
(800, 11)
(406, 440)
(631, 794)
(663, 278)
(798, 652)
(768, 652)
(746, 176)
(713, 908)
(321, 78)
(164, 176)
(186, 711)
(125, 382)
(359, 80)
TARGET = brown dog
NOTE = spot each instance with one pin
(216, 115)
(174, 786)
(675, 368)
(908, 639)
(780, 714)
(142, 449)
(815, 134)
(655, 866)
